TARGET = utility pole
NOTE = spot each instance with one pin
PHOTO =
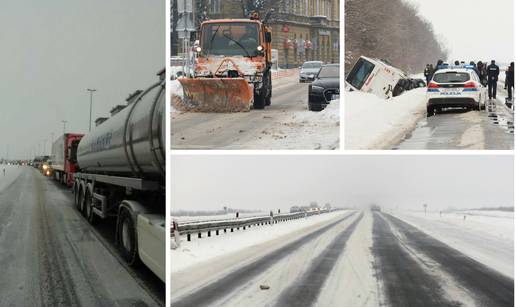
(91, 103)
(64, 126)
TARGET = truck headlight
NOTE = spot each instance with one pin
(45, 167)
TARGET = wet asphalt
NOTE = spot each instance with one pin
(492, 129)
(407, 284)
(51, 256)
(233, 130)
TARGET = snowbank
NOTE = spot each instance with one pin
(374, 123)
(303, 130)
(487, 237)
(205, 249)
(176, 95)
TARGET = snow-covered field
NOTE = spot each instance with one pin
(374, 123)
(486, 236)
(206, 249)
(11, 173)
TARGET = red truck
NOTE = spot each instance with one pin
(64, 157)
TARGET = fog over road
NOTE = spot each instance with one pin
(51, 256)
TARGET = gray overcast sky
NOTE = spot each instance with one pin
(473, 29)
(267, 182)
(51, 51)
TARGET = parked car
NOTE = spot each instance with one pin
(309, 70)
(324, 88)
(456, 88)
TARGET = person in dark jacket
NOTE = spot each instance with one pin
(428, 73)
(483, 73)
(509, 79)
(475, 68)
(492, 79)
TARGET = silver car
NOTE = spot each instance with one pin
(309, 70)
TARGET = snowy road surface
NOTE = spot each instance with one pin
(458, 129)
(358, 258)
(401, 123)
(51, 256)
(286, 124)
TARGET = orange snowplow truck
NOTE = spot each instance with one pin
(232, 67)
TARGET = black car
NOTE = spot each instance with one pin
(325, 87)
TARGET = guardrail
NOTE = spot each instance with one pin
(200, 227)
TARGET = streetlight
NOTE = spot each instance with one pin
(91, 103)
(64, 126)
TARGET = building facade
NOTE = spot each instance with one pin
(302, 30)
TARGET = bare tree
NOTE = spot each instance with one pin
(402, 37)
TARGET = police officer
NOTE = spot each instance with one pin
(492, 78)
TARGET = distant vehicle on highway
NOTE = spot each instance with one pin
(64, 157)
(375, 208)
(324, 88)
(309, 70)
(457, 88)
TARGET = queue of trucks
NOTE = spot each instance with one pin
(117, 172)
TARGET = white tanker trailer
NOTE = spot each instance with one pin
(122, 176)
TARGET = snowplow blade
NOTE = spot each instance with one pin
(218, 95)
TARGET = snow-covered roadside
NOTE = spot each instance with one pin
(11, 173)
(202, 250)
(487, 239)
(302, 130)
(374, 123)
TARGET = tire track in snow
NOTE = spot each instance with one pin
(306, 289)
(210, 293)
(403, 280)
(487, 286)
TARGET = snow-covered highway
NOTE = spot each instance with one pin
(352, 258)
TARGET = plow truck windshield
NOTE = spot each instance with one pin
(230, 39)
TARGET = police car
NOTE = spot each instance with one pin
(455, 87)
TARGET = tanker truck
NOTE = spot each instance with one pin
(121, 176)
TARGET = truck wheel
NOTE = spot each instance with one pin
(259, 100)
(80, 199)
(88, 209)
(127, 237)
(269, 87)
(429, 111)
